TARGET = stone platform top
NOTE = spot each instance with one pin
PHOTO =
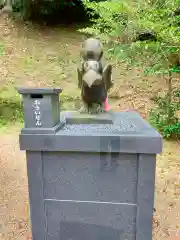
(105, 123)
(112, 131)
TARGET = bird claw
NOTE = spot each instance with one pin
(97, 108)
(84, 109)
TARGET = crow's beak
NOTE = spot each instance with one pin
(90, 77)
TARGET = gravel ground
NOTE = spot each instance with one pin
(14, 221)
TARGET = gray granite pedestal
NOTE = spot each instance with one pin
(88, 180)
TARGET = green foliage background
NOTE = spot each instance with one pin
(120, 23)
(58, 9)
(145, 34)
(141, 33)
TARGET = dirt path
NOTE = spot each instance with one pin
(13, 191)
(167, 198)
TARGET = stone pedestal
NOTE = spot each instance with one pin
(89, 177)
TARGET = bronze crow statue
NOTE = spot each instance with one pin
(94, 78)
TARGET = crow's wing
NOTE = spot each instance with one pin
(79, 78)
(107, 78)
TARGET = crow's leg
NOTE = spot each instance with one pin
(97, 108)
(84, 108)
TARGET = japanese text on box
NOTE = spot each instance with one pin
(37, 113)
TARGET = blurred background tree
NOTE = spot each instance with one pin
(145, 34)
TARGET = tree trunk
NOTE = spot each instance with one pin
(26, 9)
(7, 8)
(170, 115)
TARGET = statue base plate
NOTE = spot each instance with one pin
(82, 118)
